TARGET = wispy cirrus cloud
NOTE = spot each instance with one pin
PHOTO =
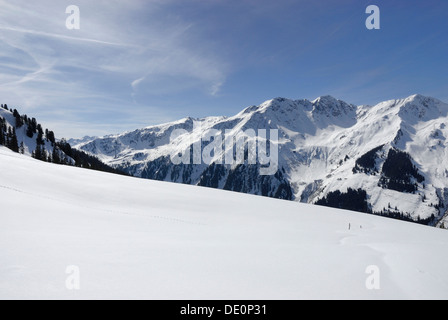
(62, 37)
(124, 53)
(139, 62)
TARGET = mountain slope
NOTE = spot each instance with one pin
(323, 147)
(25, 135)
(27, 132)
(135, 238)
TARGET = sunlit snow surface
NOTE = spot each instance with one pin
(134, 238)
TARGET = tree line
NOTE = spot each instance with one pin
(8, 136)
(60, 151)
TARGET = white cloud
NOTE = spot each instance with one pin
(61, 36)
(136, 82)
(120, 43)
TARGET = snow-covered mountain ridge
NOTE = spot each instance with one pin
(396, 151)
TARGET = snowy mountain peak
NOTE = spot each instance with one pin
(418, 97)
(330, 106)
(325, 99)
(325, 146)
(249, 110)
(421, 108)
(275, 104)
(75, 142)
(325, 105)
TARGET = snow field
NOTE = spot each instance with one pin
(133, 238)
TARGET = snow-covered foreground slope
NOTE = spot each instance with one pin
(135, 238)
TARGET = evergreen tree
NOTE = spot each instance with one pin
(29, 131)
(18, 118)
(12, 140)
(33, 124)
(44, 155)
(55, 156)
(38, 154)
(51, 137)
(2, 137)
(39, 129)
(355, 200)
(40, 138)
(2, 132)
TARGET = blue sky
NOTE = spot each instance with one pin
(136, 63)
